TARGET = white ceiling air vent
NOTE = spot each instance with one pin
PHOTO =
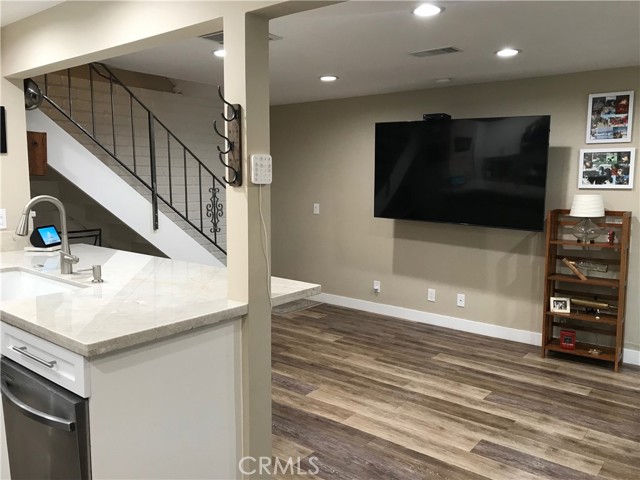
(435, 51)
(218, 37)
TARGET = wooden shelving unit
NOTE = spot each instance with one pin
(600, 331)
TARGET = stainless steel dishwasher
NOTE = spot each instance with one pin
(47, 427)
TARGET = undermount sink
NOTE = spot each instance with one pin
(17, 284)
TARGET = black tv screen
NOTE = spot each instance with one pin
(480, 171)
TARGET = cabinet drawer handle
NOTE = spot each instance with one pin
(23, 351)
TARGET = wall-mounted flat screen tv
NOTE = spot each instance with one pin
(478, 171)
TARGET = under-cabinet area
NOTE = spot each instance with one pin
(586, 287)
(164, 408)
(151, 357)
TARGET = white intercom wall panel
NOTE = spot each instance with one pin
(261, 169)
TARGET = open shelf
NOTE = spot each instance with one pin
(582, 350)
(608, 288)
(570, 292)
(588, 317)
(586, 246)
(605, 261)
(602, 282)
(571, 223)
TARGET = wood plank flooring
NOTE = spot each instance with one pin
(367, 397)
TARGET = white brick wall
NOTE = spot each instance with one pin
(189, 118)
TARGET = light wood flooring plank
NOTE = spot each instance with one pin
(355, 403)
(310, 405)
(528, 463)
(420, 382)
(595, 450)
(284, 448)
(537, 380)
(618, 471)
(439, 449)
(628, 377)
(502, 437)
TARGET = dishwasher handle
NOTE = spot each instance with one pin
(37, 415)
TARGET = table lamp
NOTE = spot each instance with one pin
(587, 207)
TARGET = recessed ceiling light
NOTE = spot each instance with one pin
(328, 78)
(427, 10)
(508, 52)
(444, 80)
(219, 53)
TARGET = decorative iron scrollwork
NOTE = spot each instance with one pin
(215, 210)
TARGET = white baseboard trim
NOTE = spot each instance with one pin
(631, 357)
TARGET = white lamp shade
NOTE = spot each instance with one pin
(587, 206)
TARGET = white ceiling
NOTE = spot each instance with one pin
(366, 43)
(14, 10)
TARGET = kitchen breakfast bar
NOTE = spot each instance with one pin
(155, 350)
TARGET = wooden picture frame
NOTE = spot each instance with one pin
(610, 168)
(610, 117)
(3, 130)
(560, 305)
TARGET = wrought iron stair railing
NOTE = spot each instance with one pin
(136, 135)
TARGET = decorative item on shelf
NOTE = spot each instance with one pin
(560, 305)
(587, 207)
(611, 237)
(232, 140)
(592, 304)
(593, 311)
(568, 339)
(574, 269)
(593, 266)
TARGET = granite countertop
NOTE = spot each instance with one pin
(142, 299)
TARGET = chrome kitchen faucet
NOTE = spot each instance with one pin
(66, 259)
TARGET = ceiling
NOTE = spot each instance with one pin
(367, 45)
(14, 10)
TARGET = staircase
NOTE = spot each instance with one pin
(110, 121)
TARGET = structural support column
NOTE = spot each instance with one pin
(246, 82)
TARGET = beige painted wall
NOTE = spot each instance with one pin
(324, 152)
(14, 169)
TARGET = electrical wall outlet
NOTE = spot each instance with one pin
(376, 286)
(460, 300)
(3, 218)
(431, 295)
(316, 209)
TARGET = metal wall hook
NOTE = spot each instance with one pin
(226, 139)
(231, 107)
(231, 155)
(221, 158)
(235, 172)
(235, 177)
